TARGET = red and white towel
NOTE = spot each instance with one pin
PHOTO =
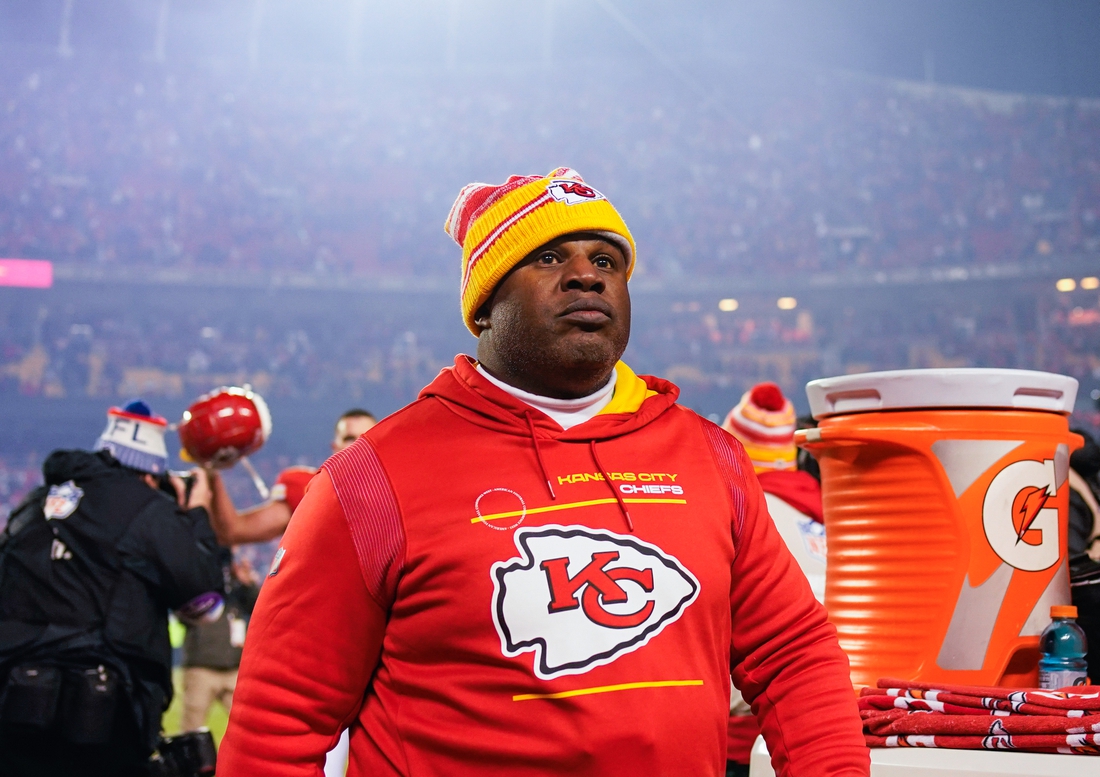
(900, 713)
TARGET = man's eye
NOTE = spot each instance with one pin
(604, 261)
(548, 258)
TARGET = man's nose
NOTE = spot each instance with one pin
(580, 273)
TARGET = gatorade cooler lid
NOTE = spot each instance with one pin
(968, 387)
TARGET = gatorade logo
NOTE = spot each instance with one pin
(1019, 525)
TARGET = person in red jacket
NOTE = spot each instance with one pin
(268, 520)
(543, 565)
(764, 422)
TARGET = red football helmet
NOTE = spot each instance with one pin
(224, 425)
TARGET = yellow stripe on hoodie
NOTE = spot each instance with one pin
(630, 392)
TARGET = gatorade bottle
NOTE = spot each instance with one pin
(1062, 650)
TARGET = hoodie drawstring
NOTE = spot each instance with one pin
(615, 491)
(538, 454)
(595, 458)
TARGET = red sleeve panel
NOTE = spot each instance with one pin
(312, 647)
(785, 657)
(368, 501)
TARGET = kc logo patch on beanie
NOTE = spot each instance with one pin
(497, 225)
(135, 437)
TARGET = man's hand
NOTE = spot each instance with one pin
(201, 492)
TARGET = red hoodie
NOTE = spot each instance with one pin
(435, 596)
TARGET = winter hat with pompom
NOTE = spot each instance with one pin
(764, 422)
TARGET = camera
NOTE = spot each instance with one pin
(190, 754)
(165, 484)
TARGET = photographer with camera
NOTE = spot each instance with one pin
(90, 565)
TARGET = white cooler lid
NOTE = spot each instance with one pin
(967, 387)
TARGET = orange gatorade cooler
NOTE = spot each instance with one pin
(946, 514)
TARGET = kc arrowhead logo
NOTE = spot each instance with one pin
(572, 192)
(579, 598)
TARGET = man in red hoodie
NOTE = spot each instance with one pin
(544, 565)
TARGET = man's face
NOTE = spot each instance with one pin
(559, 321)
(348, 430)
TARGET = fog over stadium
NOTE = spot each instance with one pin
(253, 191)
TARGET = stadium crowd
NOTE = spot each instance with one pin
(193, 168)
(82, 353)
(713, 355)
(316, 171)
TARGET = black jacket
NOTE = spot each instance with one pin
(103, 570)
(1085, 461)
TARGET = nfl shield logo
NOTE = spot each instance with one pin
(62, 501)
(813, 535)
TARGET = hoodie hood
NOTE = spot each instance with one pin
(470, 395)
(63, 465)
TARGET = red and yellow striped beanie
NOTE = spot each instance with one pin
(764, 422)
(497, 225)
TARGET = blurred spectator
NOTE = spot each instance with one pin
(212, 651)
(16, 481)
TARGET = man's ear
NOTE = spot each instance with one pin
(481, 318)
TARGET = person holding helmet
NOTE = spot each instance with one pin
(90, 564)
(220, 428)
(543, 565)
(229, 423)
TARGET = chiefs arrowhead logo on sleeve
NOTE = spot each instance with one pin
(579, 598)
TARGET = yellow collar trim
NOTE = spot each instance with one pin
(630, 392)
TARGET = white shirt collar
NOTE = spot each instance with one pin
(566, 412)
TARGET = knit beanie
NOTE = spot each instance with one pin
(497, 225)
(135, 437)
(764, 422)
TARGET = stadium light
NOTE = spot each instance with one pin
(1091, 282)
(728, 305)
(786, 303)
(1066, 284)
